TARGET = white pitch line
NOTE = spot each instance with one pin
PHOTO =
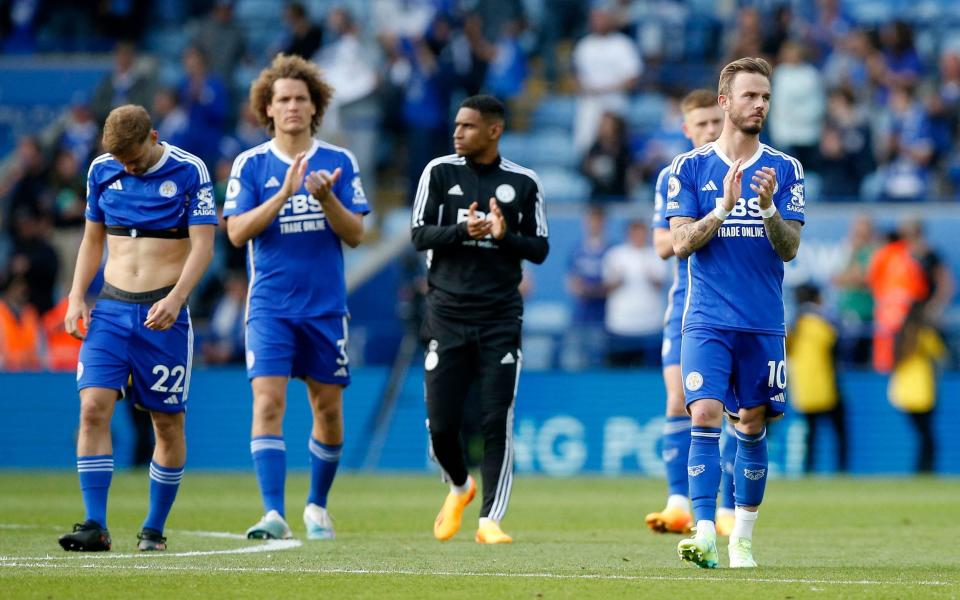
(336, 571)
(269, 546)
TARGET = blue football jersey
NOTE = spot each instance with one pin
(735, 279)
(295, 265)
(678, 290)
(176, 192)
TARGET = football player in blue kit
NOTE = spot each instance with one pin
(702, 122)
(733, 322)
(292, 201)
(153, 205)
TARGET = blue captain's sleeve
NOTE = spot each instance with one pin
(682, 189)
(349, 187)
(790, 194)
(242, 193)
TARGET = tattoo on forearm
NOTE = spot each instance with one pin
(784, 236)
(689, 235)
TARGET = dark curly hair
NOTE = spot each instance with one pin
(289, 67)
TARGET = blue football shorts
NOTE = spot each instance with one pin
(670, 350)
(118, 347)
(752, 366)
(310, 347)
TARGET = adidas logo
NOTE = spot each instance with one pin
(116, 185)
(710, 187)
(455, 191)
(272, 182)
(171, 400)
(507, 359)
(341, 372)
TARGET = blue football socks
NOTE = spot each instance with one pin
(703, 470)
(324, 459)
(751, 468)
(270, 463)
(95, 475)
(164, 483)
(676, 449)
(728, 456)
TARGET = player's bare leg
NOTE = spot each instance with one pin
(95, 466)
(269, 455)
(326, 443)
(166, 471)
(676, 517)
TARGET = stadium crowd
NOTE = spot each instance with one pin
(871, 108)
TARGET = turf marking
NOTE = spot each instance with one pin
(36, 563)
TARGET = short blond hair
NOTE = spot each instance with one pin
(698, 99)
(749, 64)
(290, 67)
(126, 128)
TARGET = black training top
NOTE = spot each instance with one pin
(478, 279)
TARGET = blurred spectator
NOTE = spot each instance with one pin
(353, 115)
(898, 64)
(498, 15)
(19, 328)
(403, 18)
(67, 192)
(846, 149)
(62, 349)
(634, 276)
(607, 163)
(913, 385)
(943, 103)
(847, 65)
(225, 342)
(897, 281)
(219, 37)
(130, 82)
(170, 120)
(304, 37)
(780, 33)
(35, 258)
(585, 270)
(27, 181)
(247, 134)
(940, 282)
(81, 133)
(508, 70)
(468, 54)
(908, 149)
(563, 21)
(829, 25)
(855, 300)
(203, 97)
(746, 39)
(798, 106)
(608, 66)
(811, 360)
(18, 27)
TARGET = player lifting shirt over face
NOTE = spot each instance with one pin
(153, 205)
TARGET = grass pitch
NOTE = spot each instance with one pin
(574, 538)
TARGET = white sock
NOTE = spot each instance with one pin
(743, 524)
(486, 520)
(461, 489)
(679, 501)
(706, 528)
